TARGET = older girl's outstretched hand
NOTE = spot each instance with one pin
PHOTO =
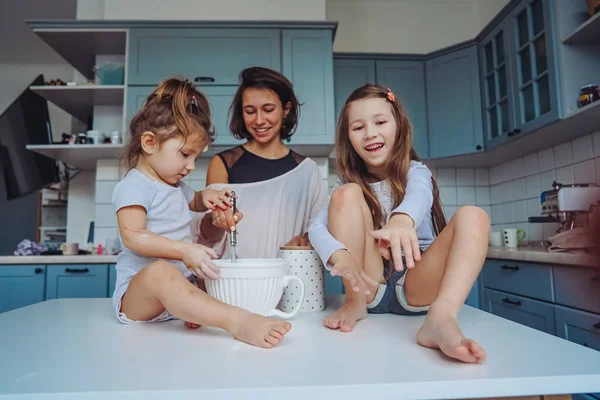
(345, 266)
(399, 235)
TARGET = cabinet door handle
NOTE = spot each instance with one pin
(38, 270)
(478, 147)
(510, 133)
(77, 270)
(509, 301)
(204, 79)
(597, 326)
(517, 131)
(509, 268)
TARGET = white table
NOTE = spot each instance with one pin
(76, 349)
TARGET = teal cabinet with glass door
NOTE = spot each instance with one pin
(519, 73)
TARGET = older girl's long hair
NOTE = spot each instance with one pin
(351, 168)
(175, 107)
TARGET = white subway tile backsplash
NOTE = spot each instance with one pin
(496, 194)
(517, 168)
(482, 177)
(446, 176)
(465, 177)
(497, 217)
(495, 177)
(520, 211)
(534, 231)
(546, 160)
(448, 195)
(531, 164)
(466, 195)
(505, 172)
(596, 143)
(563, 155)
(518, 189)
(105, 216)
(482, 194)
(506, 192)
(488, 211)
(545, 179)
(449, 211)
(583, 148)
(533, 208)
(584, 172)
(565, 175)
(104, 191)
(532, 186)
(507, 213)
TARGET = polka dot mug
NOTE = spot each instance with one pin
(304, 262)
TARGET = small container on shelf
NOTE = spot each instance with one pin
(110, 73)
(587, 95)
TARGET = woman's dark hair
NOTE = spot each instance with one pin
(264, 78)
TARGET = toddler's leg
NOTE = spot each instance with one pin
(202, 286)
(443, 278)
(161, 285)
(349, 222)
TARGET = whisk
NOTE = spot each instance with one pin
(233, 235)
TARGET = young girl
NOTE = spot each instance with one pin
(156, 271)
(280, 190)
(386, 203)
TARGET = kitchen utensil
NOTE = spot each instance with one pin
(233, 235)
(255, 284)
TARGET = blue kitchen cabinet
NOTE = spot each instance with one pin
(112, 279)
(533, 313)
(219, 98)
(307, 61)
(407, 80)
(519, 73)
(206, 56)
(21, 285)
(76, 281)
(349, 74)
(454, 103)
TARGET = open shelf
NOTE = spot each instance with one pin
(79, 101)
(79, 46)
(82, 156)
(586, 33)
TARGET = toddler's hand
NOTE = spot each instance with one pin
(198, 259)
(216, 199)
(298, 241)
(345, 266)
(400, 235)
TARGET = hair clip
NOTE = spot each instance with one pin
(390, 95)
(195, 102)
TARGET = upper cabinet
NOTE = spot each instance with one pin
(307, 60)
(519, 74)
(349, 75)
(407, 80)
(454, 103)
(206, 56)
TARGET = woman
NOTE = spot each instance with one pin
(279, 190)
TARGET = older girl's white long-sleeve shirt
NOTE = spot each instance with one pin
(417, 204)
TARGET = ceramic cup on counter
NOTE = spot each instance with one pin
(512, 237)
(304, 263)
(255, 284)
(496, 239)
(69, 249)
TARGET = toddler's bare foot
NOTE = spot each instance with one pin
(441, 331)
(347, 316)
(259, 331)
(192, 325)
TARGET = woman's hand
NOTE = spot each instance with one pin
(226, 219)
(216, 199)
(199, 259)
(345, 266)
(299, 241)
(399, 234)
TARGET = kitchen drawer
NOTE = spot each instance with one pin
(532, 313)
(205, 56)
(578, 287)
(578, 327)
(77, 281)
(527, 279)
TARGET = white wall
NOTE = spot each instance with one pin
(308, 10)
(408, 26)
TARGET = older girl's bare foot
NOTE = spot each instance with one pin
(192, 325)
(347, 316)
(259, 331)
(441, 331)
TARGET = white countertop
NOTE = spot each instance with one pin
(75, 348)
(83, 259)
(541, 255)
